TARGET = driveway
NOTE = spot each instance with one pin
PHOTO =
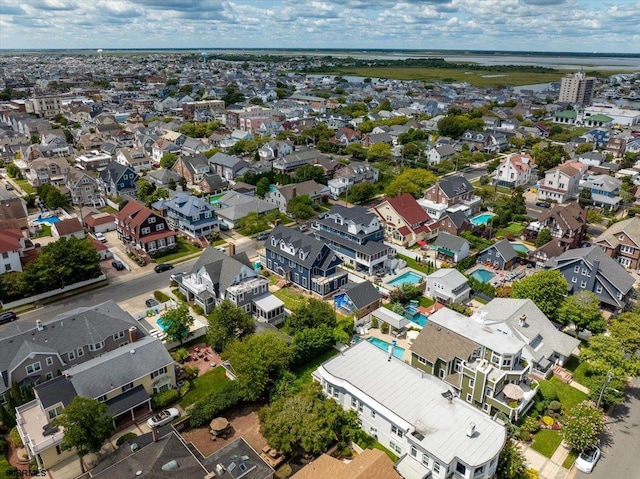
(621, 443)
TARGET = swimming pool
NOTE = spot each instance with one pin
(214, 200)
(49, 221)
(482, 275)
(414, 315)
(398, 352)
(520, 247)
(162, 324)
(482, 219)
(409, 277)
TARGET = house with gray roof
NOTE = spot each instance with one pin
(522, 319)
(448, 285)
(358, 299)
(192, 167)
(282, 195)
(592, 269)
(293, 161)
(188, 214)
(451, 248)
(304, 260)
(217, 276)
(477, 361)
(500, 255)
(162, 177)
(123, 379)
(621, 241)
(31, 353)
(227, 166)
(605, 191)
(416, 415)
(234, 206)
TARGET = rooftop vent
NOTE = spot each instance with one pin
(133, 351)
(138, 473)
(170, 466)
(134, 447)
(471, 429)
(39, 325)
(220, 469)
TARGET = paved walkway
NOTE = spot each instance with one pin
(548, 468)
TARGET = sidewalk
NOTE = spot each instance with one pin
(548, 468)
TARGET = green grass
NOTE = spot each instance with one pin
(567, 395)
(219, 242)
(426, 302)
(24, 184)
(392, 456)
(184, 249)
(578, 369)
(481, 300)
(412, 263)
(304, 373)
(546, 441)
(211, 381)
(5, 466)
(511, 229)
(45, 230)
(291, 298)
(570, 459)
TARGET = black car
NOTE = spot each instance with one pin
(7, 317)
(119, 265)
(263, 235)
(543, 204)
(151, 302)
(162, 267)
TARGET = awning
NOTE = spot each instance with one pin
(268, 302)
(422, 243)
(127, 401)
(410, 468)
(446, 252)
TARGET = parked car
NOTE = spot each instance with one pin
(304, 227)
(174, 276)
(162, 267)
(543, 204)
(118, 265)
(587, 459)
(8, 186)
(151, 302)
(100, 237)
(224, 227)
(163, 417)
(7, 317)
(263, 235)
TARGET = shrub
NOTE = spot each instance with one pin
(3, 445)
(15, 438)
(176, 292)
(184, 389)
(530, 425)
(384, 328)
(198, 309)
(164, 398)
(555, 406)
(214, 404)
(161, 297)
(525, 436)
(125, 437)
(549, 421)
(548, 391)
(180, 355)
(374, 323)
(191, 371)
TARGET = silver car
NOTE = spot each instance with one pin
(163, 417)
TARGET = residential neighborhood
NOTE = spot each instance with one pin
(244, 265)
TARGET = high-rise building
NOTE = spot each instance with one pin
(576, 88)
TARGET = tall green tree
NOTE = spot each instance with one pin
(411, 180)
(178, 322)
(52, 197)
(86, 426)
(544, 236)
(168, 160)
(262, 187)
(301, 207)
(583, 425)
(309, 172)
(306, 422)
(379, 152)
(312, 314)
(547, 289)
(228, 322)
(582, 309)
(361, 192)
(258, 360)
(511, 462)
(310, 343)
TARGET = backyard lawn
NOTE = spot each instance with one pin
(304, 373)
(426, 302)
(45, 230)
(412, 263)
(184, 249)
(578, 369)
(211, 381)
(291, 298)
(546, 441)
(511, 229)
(567, 395)
(24, 184)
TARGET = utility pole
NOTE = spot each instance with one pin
(604, 386)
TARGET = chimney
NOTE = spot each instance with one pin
(232, 249)
(276, 222)
(523, 320)
(133, 334)
(39, 325)
(389, 352)
(294, 192)
(471, 429)
(154, 433)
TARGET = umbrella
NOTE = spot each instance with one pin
(218, 424)
(513, 391)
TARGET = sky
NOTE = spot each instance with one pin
(603, 26)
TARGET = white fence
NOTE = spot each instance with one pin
(55, 292)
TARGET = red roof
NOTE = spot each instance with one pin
(133, 214)
(101, 219)
(10, 240)
(68, 226)
(407, 207)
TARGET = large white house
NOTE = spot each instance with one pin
(416, 415)
(515, 170)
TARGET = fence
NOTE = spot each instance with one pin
(55, 292)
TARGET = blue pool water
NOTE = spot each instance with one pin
(520, 247)
(414, 315)
(482, 275)
(160, 322)
(408, 277)
(49, 221)
(482, 219)
(398, 352)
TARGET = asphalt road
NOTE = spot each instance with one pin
(620, 444)
(474, 172)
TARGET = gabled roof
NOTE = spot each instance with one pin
(114, 171)
(630, 227)
(225, 160)
(311, 247)
(450, 242)
(437, 342)
(184, 204)
(453, 186)
(309, 187)
(221, 268)
(363, 294)
(450, 277)
(458, 218)
(505, 249)
(409, 209)
(10, 240)
(67, 226)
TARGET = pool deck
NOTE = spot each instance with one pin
(403, 343)
(501, 276)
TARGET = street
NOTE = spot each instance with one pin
(621, 443)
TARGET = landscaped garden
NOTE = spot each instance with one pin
(184, 249)
(546, 441)
(291, 298)
(512, 229)
(202, 386)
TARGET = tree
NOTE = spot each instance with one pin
(306, 422)
(172, 184)
(584, 198)
(309, 172)
(177, 323)
(168, 160)
(226, 323)
(233, 95)
(356, 150)
(379, 152)
(517, 204)
(607, 354)
(511, 462)
(583, 310)
(583, 425)
(7, 420)
(262, 187)
(583, 148)
(310, 343)
(549, 157)
(626, 328)
(411, 180)
(301, 207)
(361, 192)
(13, 171)
(52, 197)
(544, 236)
(86, 426)
(312, 314)
(547, 289)
(145, 190)
(258, 360)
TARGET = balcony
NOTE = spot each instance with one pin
(31, 420)
(473, 201)
(190, 282)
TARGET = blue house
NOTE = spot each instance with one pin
(500, 255)
(303, 260)
(605, 191)
(356, 235)
(188, 214)
(118, 180)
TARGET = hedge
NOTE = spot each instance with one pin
(211, 406)
(548, 391)
(160, 296)
(125, 437)
(164, 398)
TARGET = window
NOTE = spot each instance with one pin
(49, 375)
(574, 280)
(146, 230)
(461, 468)
(583, 284)
(396, 448)
(96, 346)
(336, 393)
(102, 398)
(495, 358)
(157, 373)
(354, 403)
(373, 414)
(486, 407)
(414, 452)
(469, 398)
(118, 335)
(599, 288)
(33, 368)
(360, 407)
(49, 360)
(425, 460)
(576, 269)
(397, 431)
(53, 413)
(80, 352)
(436, 468)
(472, 382)
(479, 471)
(421, 360)
(441, 373)
(160, 227)
(152, 219)
(127, 387)
(71, 355)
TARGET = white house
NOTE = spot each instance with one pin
(415, 415)
(561, 183)
(11, 246)
(440, 153)
(515, 170)
(448, 285)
